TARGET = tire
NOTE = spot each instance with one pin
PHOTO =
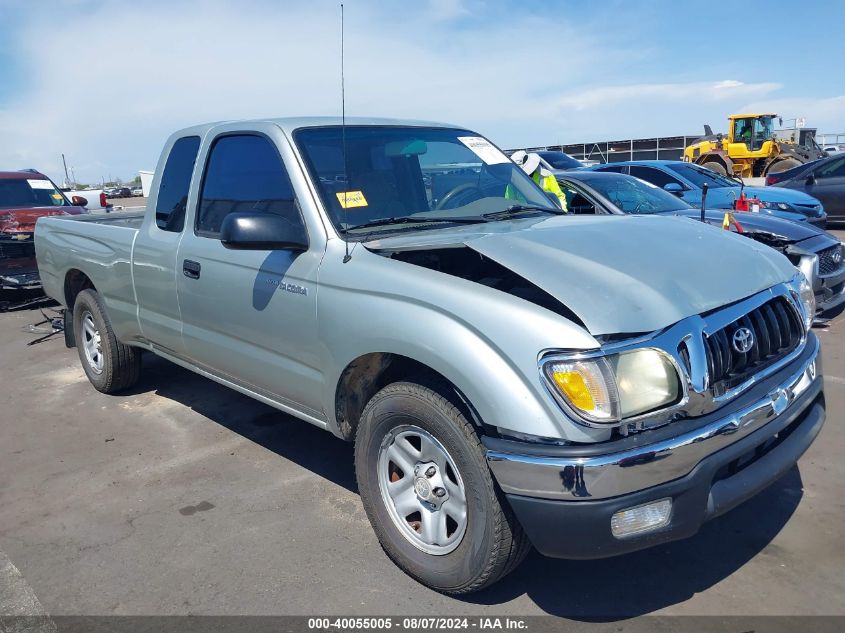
(110, 365)
(467, 554)
(783, 165)
(716, 166)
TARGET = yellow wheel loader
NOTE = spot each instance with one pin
(752, 148)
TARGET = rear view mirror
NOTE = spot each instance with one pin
(673, 187)
(255, 230)
(79, 201)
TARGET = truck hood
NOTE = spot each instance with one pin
(23, 220)
(619, 274)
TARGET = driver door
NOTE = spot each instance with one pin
(249, 316)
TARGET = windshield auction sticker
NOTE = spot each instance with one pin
(39, 184)
(484, 149)
(351, 199)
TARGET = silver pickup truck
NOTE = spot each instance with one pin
(511, 376)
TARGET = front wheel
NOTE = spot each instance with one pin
(428, 492)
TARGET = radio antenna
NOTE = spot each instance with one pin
(347, 256)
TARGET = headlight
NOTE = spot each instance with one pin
(609, 389)
(807, 298)
(783, 206)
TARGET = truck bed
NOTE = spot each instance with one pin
(100, 246)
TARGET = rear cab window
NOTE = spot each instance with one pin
(172, 198)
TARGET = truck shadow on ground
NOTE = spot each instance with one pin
(270, 428)
(599, 590)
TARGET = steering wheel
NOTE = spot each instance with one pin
(455, 191)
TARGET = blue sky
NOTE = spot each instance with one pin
(105, 81)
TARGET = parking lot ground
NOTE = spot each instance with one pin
(184, 497)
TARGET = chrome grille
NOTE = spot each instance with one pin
(776, 329)
(831, 260)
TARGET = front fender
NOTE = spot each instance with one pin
(486, 342)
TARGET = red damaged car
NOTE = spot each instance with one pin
(26, 196)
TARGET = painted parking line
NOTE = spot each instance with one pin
(18, 600)
(835, 379)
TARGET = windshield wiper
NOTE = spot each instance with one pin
(519, 208)
(415, 220)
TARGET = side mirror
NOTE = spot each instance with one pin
(811, 179)
(254, 230)
(673, 187)
(79, 201)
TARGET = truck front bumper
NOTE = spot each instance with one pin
(566, 496)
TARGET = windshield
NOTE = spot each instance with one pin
(559, 160)
(699, 176)
(433, 175)
(763, 128)
(29, 192)
(633, 195)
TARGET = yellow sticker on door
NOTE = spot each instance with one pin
(351, 199)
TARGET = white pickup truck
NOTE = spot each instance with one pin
(94, 199)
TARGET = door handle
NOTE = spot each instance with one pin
(191, 269)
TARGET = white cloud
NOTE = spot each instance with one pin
(728, 89)
(447, 9)
(827, 115)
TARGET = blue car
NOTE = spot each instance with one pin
(685, 181)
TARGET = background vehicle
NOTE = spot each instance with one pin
(119, 192)
(137, 191)
(558, 161)
(813, 251)
(95, 199)
(823, 179)
(26, 196)
(751, 148)
(686, 181)
(510, 374)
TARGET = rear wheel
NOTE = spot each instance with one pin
(428, 492)
(110, 365)
(716, 166)
(783, 165)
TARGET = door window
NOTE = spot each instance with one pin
(172, 197)
(743, 130)
(834, 169)
(244, 172)
(654, 176)
(618, 169)
(576, 202)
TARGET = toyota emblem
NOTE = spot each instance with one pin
(743, 340)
